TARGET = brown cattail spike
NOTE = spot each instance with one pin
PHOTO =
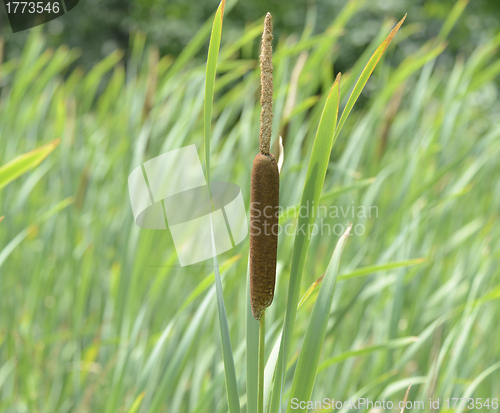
(266, 84)
(264, 195)
(263, 232)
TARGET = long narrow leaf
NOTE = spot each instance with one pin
(315, 177)
(307, 364)
(7, 250)
(360, 272)
(293, 211)
(469, 391)
(227, 352)
(22, 164)
(392, 344)
(252, 353)
(365, 75)
(213, 55)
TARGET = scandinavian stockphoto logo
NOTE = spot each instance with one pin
(27, 14)
(171, 191)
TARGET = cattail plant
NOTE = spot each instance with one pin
(264, 206)
(264, 196)
(264, 238)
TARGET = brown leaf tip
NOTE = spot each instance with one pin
(222, 6)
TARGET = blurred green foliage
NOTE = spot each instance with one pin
(97, 316)
(99, 27)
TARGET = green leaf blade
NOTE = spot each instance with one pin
(315, 177)
(307, 364)
(252, 352)
(227, 352)
(213, 55)
(22, 164)
(365, 75)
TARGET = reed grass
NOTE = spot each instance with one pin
(96, 316)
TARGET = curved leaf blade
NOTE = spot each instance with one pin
(365, 75)
(227, 352)
(315, 177)
(22, 164)
(307, 364)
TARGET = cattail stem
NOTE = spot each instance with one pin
(262, 346)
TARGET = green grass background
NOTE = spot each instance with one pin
(97, 316)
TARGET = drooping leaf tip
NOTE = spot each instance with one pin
(396, 28)
(392, 34)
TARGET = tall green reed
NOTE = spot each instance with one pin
(99, 319)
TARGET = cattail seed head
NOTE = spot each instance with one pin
(263, 232)
(264, 195)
